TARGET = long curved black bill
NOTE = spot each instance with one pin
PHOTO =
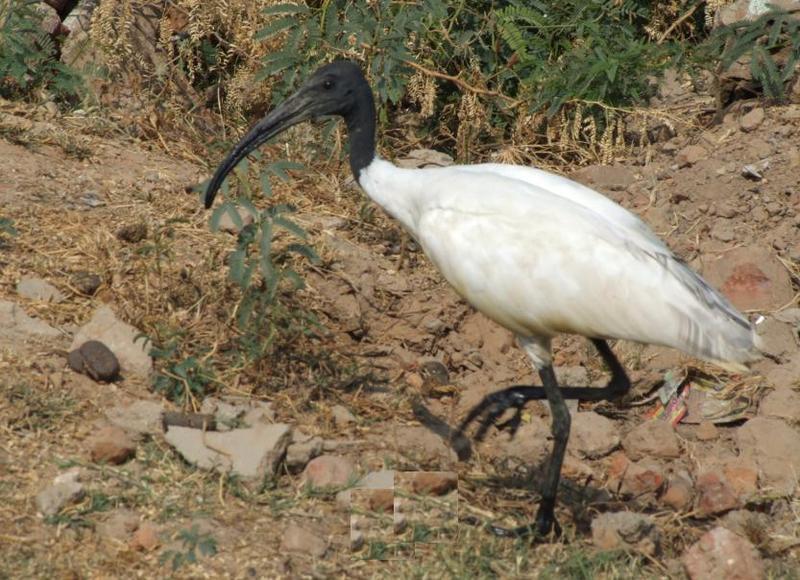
(293, 110)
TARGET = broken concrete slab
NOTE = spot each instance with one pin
(252, 452)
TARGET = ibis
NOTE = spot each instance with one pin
(536, 252)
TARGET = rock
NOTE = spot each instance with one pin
(140, 417)
(93, 358)
(302, 540)
(253, 452)
(741, 10)
(383, 479)
(301, 450)
(145, 538)
(118, 525)
(38, 289)
(777, 339)
(774, 446)
(751, 277)
(425, 158)
(642, 478)
(424, 445)
(652, 439)
(342, 416)
(742, 475)
(679, 493)
(608, 177)
(111, 445)
(706, 431)
(783, 403)
(625, 530)
(430, 482)
(715, 495)
(132, 233)
(229, 225)
(77, 49)
(328, 470)
(122, 339)
(231, 412)
(259, 412)
(721, 554)
(66, 489)
(593, 435)
(15, 324)
(752, 120)
(86, 282)
(690, 155)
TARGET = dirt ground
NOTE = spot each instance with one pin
(388, 320)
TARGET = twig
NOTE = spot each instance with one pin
(462, 84)
(677, 23)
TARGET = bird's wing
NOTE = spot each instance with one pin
(566, 188)
(541, 264)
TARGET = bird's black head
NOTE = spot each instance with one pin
(338, 88)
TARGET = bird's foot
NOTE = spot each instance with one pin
(492, 407)
(543, 528)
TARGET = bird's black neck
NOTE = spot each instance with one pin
(360, 121)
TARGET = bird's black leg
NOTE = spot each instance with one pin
(495, 405)
(545, 518)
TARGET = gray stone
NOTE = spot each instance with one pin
(38, 289)
(142, 417)
(231, 412)
(625, 530)
(122, 339)
(301, 450)
(15, 323)
(342, 416)
(593, 435)
(299, 539)
(752, 120)
(66, 489)
(251, 453)
(652, 439)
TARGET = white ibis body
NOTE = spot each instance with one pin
(537, 253)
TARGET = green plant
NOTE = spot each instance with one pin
(769, 45)
(96, 501)
(182, 378)
(28, 57)
(262, 269)
(477, 67)
(193, 540)
(7, 229)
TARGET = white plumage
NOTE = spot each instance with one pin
(542, 255)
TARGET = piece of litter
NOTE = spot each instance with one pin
(750, 172)
(694, 398)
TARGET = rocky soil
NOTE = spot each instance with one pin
(251, 484)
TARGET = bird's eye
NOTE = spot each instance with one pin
(328, 84)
